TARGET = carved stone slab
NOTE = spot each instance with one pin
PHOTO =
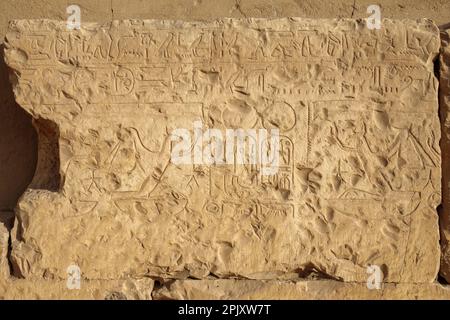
(358, 177)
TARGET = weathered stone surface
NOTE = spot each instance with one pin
(6, 222)
(4, 238)
(295, 290)
(359, 175)
(144, 289)
(129, 289)
(444, 101)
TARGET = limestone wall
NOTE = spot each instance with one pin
(355, 183)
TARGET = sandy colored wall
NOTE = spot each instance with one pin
(18, 142)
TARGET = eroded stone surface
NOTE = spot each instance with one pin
(444, 101)
(359, 175)
(295, 290)
(129, 289)
(4, 238)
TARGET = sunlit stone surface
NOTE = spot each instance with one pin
(358, 177)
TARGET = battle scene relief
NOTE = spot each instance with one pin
(348, 115)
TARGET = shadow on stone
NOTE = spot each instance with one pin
(18, 144)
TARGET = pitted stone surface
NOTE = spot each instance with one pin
(295, 290)
(358, 180)
(444, 102)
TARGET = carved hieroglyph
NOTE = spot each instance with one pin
(358, 180)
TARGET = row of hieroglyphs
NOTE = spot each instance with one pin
(192, 83)
(307, 60)
(169, 65)
(223, 44)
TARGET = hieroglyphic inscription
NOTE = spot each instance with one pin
(358, 179)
